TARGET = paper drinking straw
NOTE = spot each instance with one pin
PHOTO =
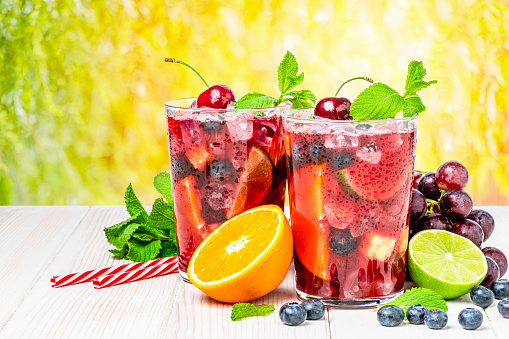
(81, 277)
(139, 274)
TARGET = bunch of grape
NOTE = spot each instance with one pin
(439, 202)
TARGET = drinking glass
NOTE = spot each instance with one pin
(223, 162)
(349, 184)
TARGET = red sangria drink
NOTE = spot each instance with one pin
(223, 162)
(349, 186)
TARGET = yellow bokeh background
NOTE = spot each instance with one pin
(83, 83)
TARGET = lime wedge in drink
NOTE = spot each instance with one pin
(445, 262)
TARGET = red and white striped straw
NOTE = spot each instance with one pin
(143, 273)
(81, 277)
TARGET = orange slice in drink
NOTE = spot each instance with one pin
(309, 234)
(254, 183)
(188, 209)
(245, 258)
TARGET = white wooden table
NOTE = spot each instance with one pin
(39, 242)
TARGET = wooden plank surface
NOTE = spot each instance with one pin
(135, 310)
(44, 241)
(197, 316)
(31, 237)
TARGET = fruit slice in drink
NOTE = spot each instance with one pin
(310, 235)
(198, 156)
(378, 177)
(188, 213)
(445, 262)
(254, 183)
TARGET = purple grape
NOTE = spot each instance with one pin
(417, 177)
(452, 175)
(485, 220)
(418, 205)
(470, 230)
(428, 186)
(498, 256)
(434, 221)
(456, 204)
(493, 273)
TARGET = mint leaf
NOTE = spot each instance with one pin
(146, 233)
(378, 101)
(168, 249)
(287, 80)
(143, 250)
(300, 99)
(413, 105)
(146, 237)
(118, 233)
(133, 204)
(162, 183)
(424, 296)
(122, 253)
(243, 310)
(162, 216)
(255, 100)
(287, 73)
(415, 76)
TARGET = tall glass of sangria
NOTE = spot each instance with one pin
(223, 162)
(349, 185)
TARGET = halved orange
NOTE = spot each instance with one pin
(254, 183)
(245, 258)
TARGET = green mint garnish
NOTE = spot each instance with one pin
(244, 310)
(426, 297)
(379, 101)
(145, 237)
(288, 78)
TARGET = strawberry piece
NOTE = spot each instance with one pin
(198, 155)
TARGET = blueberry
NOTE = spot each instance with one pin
(415, 314)
(503, 307)
(363, 127)
(435, 319)
(221, 169)
(390, 315)
(316, 150)
(315, 309)
(343, 159)
(470, 318)
(342, 242)
(500, 288)
(481, 296)
(181, 167)
(213, 125)
(292, 313)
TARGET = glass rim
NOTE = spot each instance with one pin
(171, 105)
(289, 116)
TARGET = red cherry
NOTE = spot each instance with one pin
(217, 96)
(337, 108)
(333, 108)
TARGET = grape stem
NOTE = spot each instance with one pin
(357, 78)
(173, 60)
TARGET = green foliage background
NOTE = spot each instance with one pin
(82, 83)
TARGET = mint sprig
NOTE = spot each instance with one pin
(424, 296)
(288, 79)
(145, 237)
(379, 101)
(244, 310)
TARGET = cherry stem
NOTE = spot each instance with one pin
(357, 78)
(173, 60)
